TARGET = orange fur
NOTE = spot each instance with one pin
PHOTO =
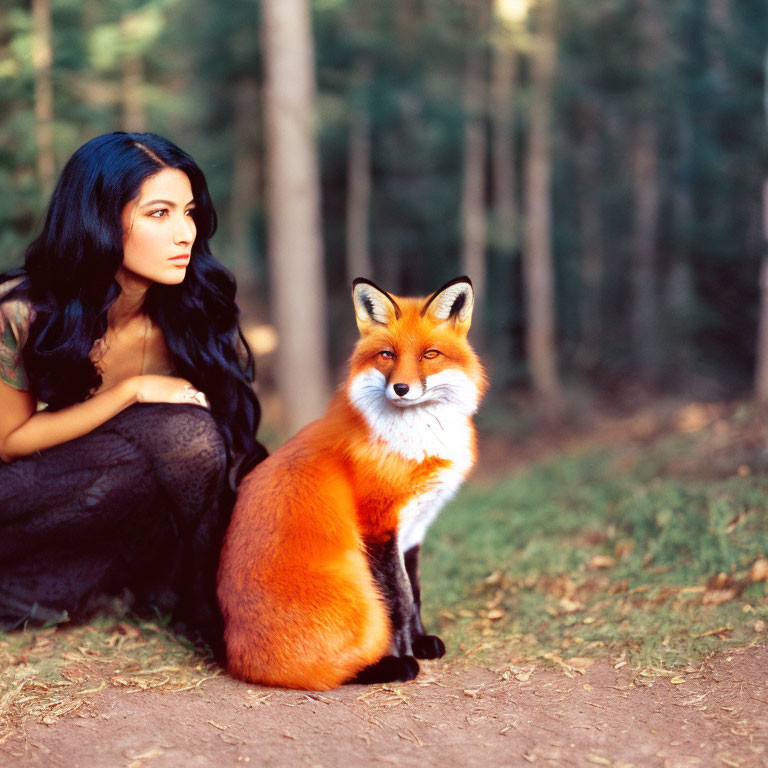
(300, 604)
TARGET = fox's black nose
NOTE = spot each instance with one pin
(400, 389)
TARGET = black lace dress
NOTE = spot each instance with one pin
(141, 503)
(137, 507)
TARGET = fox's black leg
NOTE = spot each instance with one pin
(389, 669)
(424, 646)
(387, 568)
(411, 558)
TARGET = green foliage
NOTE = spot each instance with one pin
(702, 89)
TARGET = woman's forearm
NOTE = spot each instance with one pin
(44, 429)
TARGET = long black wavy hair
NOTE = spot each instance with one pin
(69, 278)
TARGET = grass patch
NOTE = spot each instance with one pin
(609, 553)
(49, 672)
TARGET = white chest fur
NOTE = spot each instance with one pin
(419, 513)
(439, 427)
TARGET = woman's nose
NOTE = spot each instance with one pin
(184, 231)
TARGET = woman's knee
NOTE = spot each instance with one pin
(186, 449)
(170, 431)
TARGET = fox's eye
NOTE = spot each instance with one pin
(385, 354)
(430, 354)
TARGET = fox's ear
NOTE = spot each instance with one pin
(452, 303)
(373, 307)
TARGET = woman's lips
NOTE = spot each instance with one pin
(180, 261)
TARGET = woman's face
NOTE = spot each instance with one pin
(158, 229)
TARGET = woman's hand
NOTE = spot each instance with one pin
(24, 431)
(168, 389)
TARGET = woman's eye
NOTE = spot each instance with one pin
(190, 212)
(158, 214)
(431, 354)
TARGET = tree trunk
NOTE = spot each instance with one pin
(295, 246)
(473, 222)
(538, 270)
(679, 291)
(592, 254)
(645, 188)
(134, 119)
(503, 90)
(761, 374)
(721, 26)
(42, 58)
(359, 180)
(244, 194)
(761, 365)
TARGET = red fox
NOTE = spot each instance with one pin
(318, 580)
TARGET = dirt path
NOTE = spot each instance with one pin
(716, 716)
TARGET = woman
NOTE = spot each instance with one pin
(125, 393)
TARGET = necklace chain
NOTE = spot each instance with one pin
(147, 326)
(102, 345)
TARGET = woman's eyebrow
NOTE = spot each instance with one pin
(169, 203)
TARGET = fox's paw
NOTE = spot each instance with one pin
(389, 669)
(428, 647)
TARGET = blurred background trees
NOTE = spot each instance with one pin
(597, 166)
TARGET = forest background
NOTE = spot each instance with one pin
(596, 166)
(599, 168)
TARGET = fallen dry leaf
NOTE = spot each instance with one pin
(570, 606)
(759, 626)
(601, 561)
(579, 662)
(759, 570)
(99, 687)
(620, 586)
(720, 581)
(718, 631)
(566, 666)
(525, 676)
(719, 596)
(721, 589)
(521, 674)
(494, 578)
(624, 549)
(562, 586)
